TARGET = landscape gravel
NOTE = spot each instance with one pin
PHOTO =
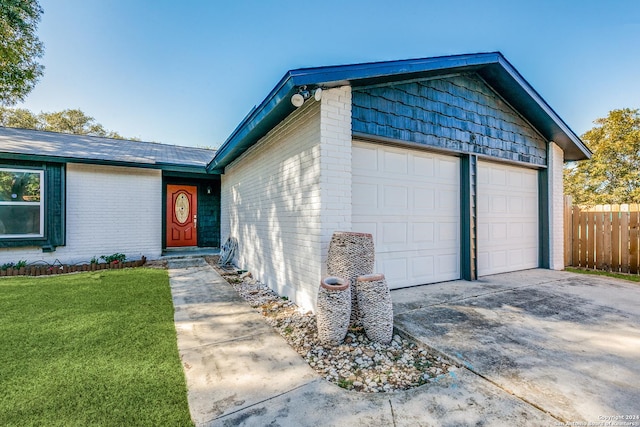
(358, 363)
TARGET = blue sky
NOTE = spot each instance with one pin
(187, 72)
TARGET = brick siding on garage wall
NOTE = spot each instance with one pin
(459, 113)
(271, 203)
(284, 197)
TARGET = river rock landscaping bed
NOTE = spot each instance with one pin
(358, 363)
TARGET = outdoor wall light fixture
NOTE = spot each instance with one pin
(303, 94)
(208, 189)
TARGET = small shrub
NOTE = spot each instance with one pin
(22, 263)
(94, 260)
(117, 257)
(7, 266)
(345, 383)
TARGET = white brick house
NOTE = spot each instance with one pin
(454, 164)
(87, 196)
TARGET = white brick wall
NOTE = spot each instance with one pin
(271, 204)
(556, 207)
(283, 198)
(335, 165)
(109, 209)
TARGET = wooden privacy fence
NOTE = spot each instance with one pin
(603, 237)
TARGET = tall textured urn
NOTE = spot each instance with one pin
(333, 310)
(351, 255)
(376, 309)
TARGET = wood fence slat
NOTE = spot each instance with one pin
(575, 238)
(568, 230)
(633, 241)
(606, 241)
(615, 241)
(624, 242)
(591, 244)
(586, 252)
(598, 236)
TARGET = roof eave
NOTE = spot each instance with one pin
(57, 159)
(492, 66)
(527, 100)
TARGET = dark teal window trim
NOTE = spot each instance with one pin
(54, 207)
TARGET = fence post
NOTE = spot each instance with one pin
(568, 231)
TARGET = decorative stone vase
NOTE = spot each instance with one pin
(351, 255)
(334, 310)
(376, 309)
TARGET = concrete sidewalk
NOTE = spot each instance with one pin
(239, 371)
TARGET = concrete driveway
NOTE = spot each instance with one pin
(565, 343)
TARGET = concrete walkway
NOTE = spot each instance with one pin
(239, 371)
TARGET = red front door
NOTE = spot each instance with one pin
(182, 219)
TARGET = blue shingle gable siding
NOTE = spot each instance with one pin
(460, 113)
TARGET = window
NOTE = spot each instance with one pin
(21, 203)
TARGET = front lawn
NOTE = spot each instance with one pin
(90, 349)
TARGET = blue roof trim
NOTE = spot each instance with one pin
(536, 110)
(493, 67)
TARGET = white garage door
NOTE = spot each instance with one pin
(507, 218)
(410, 201)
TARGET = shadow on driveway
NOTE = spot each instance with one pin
(565, 343)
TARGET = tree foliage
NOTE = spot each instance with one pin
(73, 121)
(20, 49)
(612, 175)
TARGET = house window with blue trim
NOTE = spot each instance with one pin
(21, 203)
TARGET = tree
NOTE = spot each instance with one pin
(20, 49)
(73, 121)
(612, 175)
(76, 122)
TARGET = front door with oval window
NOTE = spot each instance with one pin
(182, 215)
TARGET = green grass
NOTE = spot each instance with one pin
(90, 349)
(629, 277)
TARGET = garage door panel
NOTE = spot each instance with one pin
(498, 232)
(423, 267)
(423, 233)
(414, 217)
(394, 233)
(448, 232)
(423, 166)
(395, 163)
(448, 264)
(364, 158)
(516, 205)
(448, 166)
(449, 199)
(395, 197)
(424, 198)
(395, 269)
(507, 218)
(364, 194)
(498, 177)
(515, 231)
